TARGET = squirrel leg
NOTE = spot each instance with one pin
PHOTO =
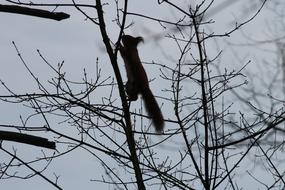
(132, 91)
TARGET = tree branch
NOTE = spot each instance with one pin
(26, 139)
(33, 12)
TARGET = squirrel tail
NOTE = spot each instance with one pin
(153, 109)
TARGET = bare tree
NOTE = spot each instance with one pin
(217, 126)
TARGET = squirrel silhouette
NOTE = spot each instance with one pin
(137, 80)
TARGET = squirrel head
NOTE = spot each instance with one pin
(130, 41)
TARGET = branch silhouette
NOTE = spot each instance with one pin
(33, 12)
(26, 139)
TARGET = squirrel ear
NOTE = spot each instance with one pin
(140, 39)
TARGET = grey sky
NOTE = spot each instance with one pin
(78, 43)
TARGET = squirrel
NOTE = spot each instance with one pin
(137, 80)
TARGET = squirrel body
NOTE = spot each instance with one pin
(137, 80)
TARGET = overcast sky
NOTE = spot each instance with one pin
(78, 43)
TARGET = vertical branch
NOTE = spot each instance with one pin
(179, 120)
(128, 127)
(122, 27)
(213, 130)
(204, 103)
